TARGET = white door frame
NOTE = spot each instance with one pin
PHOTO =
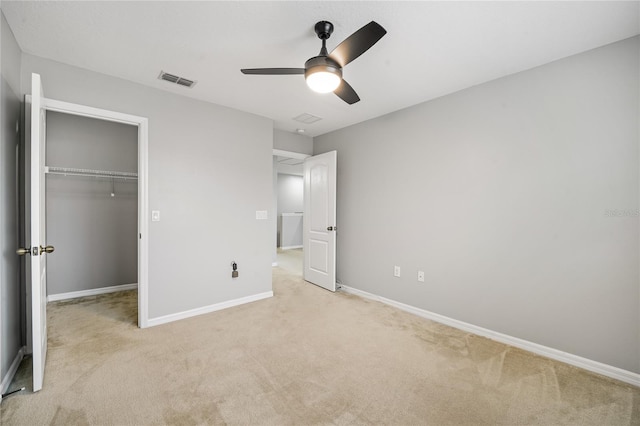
(143, 182)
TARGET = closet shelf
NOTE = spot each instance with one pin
(68, 171)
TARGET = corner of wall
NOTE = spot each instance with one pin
(11, 56)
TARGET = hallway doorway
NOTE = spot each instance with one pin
(291, 260)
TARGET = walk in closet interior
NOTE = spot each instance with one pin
(91, 203)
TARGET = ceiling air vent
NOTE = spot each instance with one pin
(176, 79)
(307, 118)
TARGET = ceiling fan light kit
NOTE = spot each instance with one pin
(323, 73)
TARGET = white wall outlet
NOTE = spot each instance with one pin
(261, 214)
(421, 276)
(396, 271)
(155, 216)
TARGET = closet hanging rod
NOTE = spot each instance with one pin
(69, 171)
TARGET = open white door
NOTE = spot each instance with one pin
(38, 234)
(319, 228)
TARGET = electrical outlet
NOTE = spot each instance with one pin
(421, 276)
(396, 271)
(234, 266)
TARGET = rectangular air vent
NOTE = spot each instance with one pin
(176, 79)
(307, 118)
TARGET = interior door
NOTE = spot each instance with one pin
(319, 228)
(38, 234)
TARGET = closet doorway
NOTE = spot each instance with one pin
(52, 108)
(37, 107)
(92, 207)
(289, 202)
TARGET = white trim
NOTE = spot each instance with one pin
(90, 112)
(555, 354)
(290, 154)
(91, 292)
(290, 247)
(37, 220)
(208, 309)
(143, 223)
(11, 372)
(143, 193)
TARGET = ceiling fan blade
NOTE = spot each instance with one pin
(346, 93)
(357, 43)
(273, 71)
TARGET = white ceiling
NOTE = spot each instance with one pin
(290, 166)
(431, 48)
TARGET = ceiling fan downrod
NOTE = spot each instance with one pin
(323, 30)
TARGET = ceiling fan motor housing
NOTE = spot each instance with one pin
(323, 29)
(322, 64)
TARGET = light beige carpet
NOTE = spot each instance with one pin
(291, 260)
(305, 356)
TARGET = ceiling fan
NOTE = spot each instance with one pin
(323, 73)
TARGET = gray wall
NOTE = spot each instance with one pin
(10, 300)
(290, 199)
(291, 232)
(290, 193)
(209, 172)
(95, 235)
(292, 142)
(503, 194)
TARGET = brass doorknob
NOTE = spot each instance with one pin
(22, 251)
(47, 249)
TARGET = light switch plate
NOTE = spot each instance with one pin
(155, 216)
(261, 214)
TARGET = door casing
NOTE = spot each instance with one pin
(142, 123)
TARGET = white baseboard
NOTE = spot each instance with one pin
(92, 292)
(13, 368)
(575, 360)
(208, 309)
(290, 247)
